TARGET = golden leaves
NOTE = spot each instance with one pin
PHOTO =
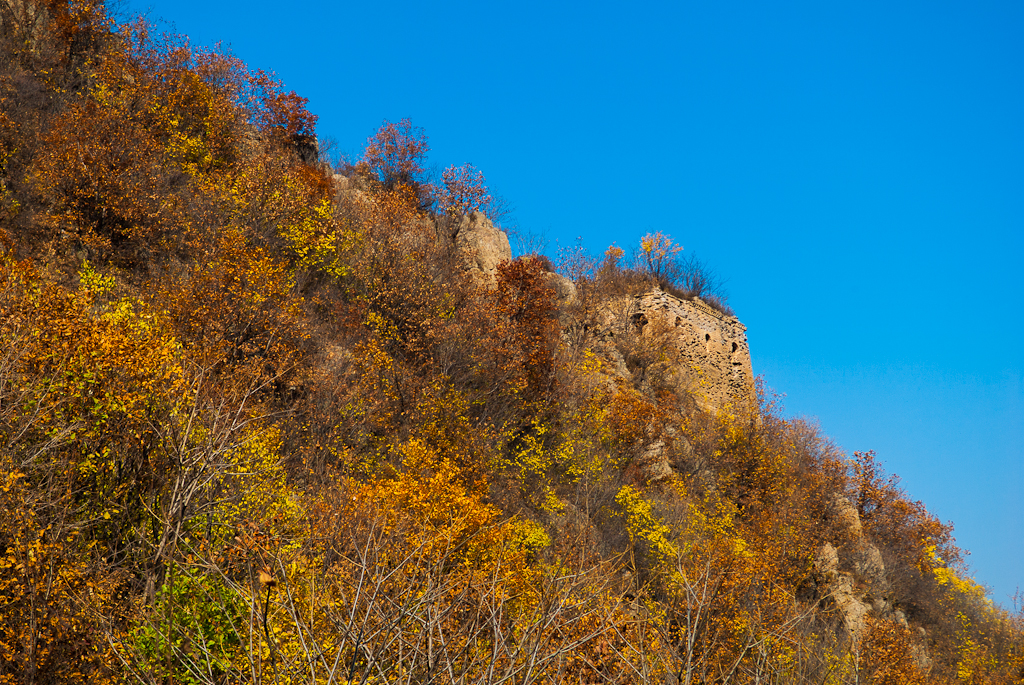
(887, 655)
(94, 366)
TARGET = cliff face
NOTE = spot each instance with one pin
(708, 356)
(695, 348)
(709, 352)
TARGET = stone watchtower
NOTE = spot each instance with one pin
(712, 345)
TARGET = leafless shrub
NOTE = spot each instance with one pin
(526, 242)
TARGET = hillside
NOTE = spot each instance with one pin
(265, 420)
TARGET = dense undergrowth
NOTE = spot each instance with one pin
(257, 429)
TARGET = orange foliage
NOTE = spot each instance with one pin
(234, 308)
(53, 597)
(522, 342)
(395, 154)
(887, 655)
(255, 420)
(904, 527)
(631, 417)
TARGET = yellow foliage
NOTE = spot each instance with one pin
(532, 461)
(53, 597)
(950, 579)
(258, 481)
(93, 282)
(429, 491)
(147, 411)
(297, 212)
(93, 365)
(658, 246)
(642, 524)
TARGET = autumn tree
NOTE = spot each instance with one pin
(521, 354)
(396, 153)
(659, 256)
(463, 191)
(84, 381)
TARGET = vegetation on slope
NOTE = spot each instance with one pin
(257, 429)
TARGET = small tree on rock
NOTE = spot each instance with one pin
(395, 154)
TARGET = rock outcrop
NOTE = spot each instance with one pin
(565, 289)
(838, 583)
(851, 577)
(651, 466)
(482, 247)
(845, 518)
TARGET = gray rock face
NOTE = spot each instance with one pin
(919, 651)
(482, 247)
(651, 466)
(826, 563)
(615, 365)
(684, 449)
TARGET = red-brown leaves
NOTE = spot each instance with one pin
(284, 115)
(902, 527)
(100, 170)
(395, 154)
(464, 190)
(632, 418)
(887, 655)
(525, 329)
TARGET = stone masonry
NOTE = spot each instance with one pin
(711, 344)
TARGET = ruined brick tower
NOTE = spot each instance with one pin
(712, 345)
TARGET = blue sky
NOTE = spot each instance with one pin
(855, 170)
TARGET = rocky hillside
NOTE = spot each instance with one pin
(265, 420)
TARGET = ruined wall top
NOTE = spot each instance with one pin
(713, 345)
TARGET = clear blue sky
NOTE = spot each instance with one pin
(855, 169)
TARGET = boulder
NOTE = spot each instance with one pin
(867, 562)
(919, 651)
(851, 608)
(684, 449)
(826, 563)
